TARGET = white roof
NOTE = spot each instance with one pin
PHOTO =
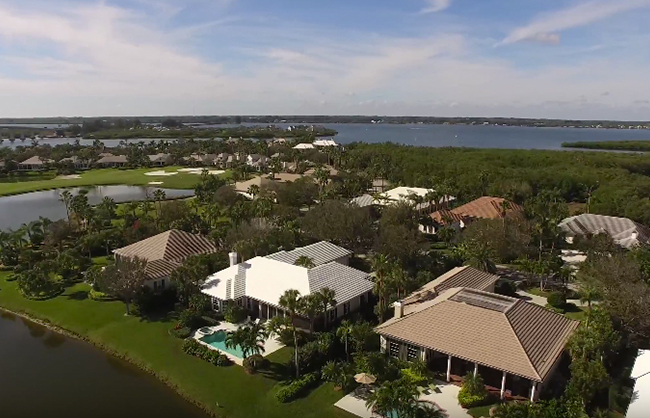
(641, 373)
(403, 193)
(623, 231)
(325, 143)
(304, 146)
(260, 278)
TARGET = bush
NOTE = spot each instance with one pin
(234, 313)
(253, 363)
(180, 332)
(190, 318)
(196, 349)
(100, 296)
(473, 393)
(505, 287)
(147, 301)
(556, 300)
(296, 388)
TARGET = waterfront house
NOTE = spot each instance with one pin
(325, 143)
(34, 163)
(164, 253)
(257, 161)
(242, 187)
(625, 232)
(112, 161)
(201, 159)
(304, 146)
(160, 160)
(415, 196)
(258, 283)
(517, 347)
(77, 162)
(485, 207)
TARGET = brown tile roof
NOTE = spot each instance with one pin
(485, 207)
(465, 276)
(165, 252)
(496, 331)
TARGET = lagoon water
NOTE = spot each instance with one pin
(23, 208)
(43, 373)
(477, 136)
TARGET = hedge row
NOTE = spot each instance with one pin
(297, 387)
(196, 349)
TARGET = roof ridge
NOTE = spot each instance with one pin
(523, 349)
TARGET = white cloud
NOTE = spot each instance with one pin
(544, 28)
(435, 6)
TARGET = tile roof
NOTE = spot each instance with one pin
(320, 252)
(113, 159)
(465, 276)
(36, 160)
(485, 207)
(623, 231)
(159, 157)
(496, 331)
(364, 200)
(165, 252)
(346, 282)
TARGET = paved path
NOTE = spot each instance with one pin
(541, 301)
(446, 399)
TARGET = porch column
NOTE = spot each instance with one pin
(475, 369)
(532, 392)
(503, 385)
(259, 308)
(449, 369)
(268, 311)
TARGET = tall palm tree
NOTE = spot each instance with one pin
(250, 339)
(66, 198)
(158, 196)
(327, 299)
(290, 301)
(344, 331)
(381, 267)
(394, 398)
(305, 261)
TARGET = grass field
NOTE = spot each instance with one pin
(98, 177)
(148, 344)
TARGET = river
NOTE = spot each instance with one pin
(477, 136)
(23, 208)
(43, 373)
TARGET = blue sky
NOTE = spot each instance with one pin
(555, 58)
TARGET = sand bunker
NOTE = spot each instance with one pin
(155, 183)
(159, 173)
(69, 177)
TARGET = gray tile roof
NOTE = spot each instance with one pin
(347, 282)
(623, 231)
(363, 200)
(321, 253)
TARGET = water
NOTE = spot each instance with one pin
(45, 374)
(477, 136)
(218, 340)
(23, 208)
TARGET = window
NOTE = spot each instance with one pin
(362, 300)
(155, 286)
(393, 349)
(411, 352)
(332, 314)
(162, 284)
(346, 308)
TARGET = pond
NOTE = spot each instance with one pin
(23, 208)
(43, 373)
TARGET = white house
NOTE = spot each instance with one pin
(258, 283)
(325, 143)
(304, 146)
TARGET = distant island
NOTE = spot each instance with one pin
(197, 121)
(610, 145)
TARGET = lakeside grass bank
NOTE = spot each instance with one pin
(100, 177)
(221, 391)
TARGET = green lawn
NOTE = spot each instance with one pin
(148, 344)
(480, 411)
(98, 177)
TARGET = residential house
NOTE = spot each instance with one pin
(514, 345)
(364, 200)
(77, 162)
(325, 143)
(379, 185)
(225, 160)
(34, 163)
(258, 283)
(112, 161)
(242, 187)
(304, 146)
(409, 194)
(201, 159)
(257, 161)
(625, 232)
(332, 171)
(160, 160)
(485, 207)
(164, 253)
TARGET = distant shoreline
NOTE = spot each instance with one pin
(632, 146)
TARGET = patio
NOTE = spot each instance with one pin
(445, 397)
(271, 344)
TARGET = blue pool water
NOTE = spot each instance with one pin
(218, 340)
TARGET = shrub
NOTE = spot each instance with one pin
(414, 376)
(338, 372)
(100, 296)
(234, 313)
(313, 355)
(196, 349)
(180, 331)
(190, 318)
(296, 388)
(473, 393)
(557, 300)
(505, 287)
(253, 363)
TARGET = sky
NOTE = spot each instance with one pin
(517, 58)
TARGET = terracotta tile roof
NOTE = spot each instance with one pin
(492, 330)
(165, 252)
(485, 207)
(465, 276)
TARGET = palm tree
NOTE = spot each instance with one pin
(159, 195)
(399, 278)
(381, 267)
(305, 261)
(311, 307)
(394, 398)
(344, 331)
(327, 299)
(66, 198)
(250, 339)
(290, 301)
(254, 190)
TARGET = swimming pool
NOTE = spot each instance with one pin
(218, 340)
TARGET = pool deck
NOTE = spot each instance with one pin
(271, 345)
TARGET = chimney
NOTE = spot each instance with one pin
(233, 258)
(399, 309)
